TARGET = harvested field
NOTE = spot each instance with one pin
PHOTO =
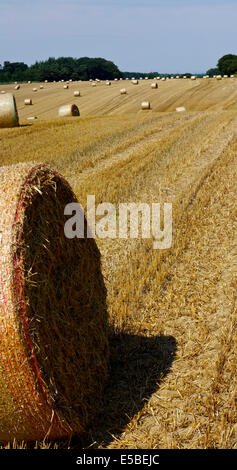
(173, 340)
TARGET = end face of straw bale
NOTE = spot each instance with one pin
(54, 350)
(8, 111)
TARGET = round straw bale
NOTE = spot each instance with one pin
(76, 93)
(180, 109)
(17, 87)
(41, 87)
(8, 111)
(146, 105)
(123, 91)
(193, 77)
(28, 101)
(66, 87)
(3, 92)
(163, 79)
(154, 85)
(108, 83)
(32, 118)
(135, 82)
(54, 347)
(68, 110)
(218, 77)
(34, 89)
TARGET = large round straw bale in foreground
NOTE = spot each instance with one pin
(54, 348)
(8, 111)
(68, 110)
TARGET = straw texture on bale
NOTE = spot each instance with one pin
(68, 110)
(8, 111)
(53, 320)
(76, 93)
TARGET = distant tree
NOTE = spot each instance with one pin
(213, 71)
(228, 64)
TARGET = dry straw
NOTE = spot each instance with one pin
(123, 91)
(154, 85)
(53, 320)
(76, 93)
(68, 110)
(8, 111)
(28, 101)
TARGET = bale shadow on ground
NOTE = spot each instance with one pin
(137, 366)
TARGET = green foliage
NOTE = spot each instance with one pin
(213, 71)
(228, 64)
(58, 69)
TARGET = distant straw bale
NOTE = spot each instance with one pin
(8, 111)
(180, 109)
(68, 110)
(146, 105)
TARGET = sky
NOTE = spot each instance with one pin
(172, 36)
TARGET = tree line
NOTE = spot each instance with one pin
(63, 68)
(86, 68)
(227, 65)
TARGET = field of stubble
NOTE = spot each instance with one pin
(172, 381)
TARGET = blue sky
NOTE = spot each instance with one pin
(171, 36)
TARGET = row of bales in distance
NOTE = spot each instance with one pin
(9, 114)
